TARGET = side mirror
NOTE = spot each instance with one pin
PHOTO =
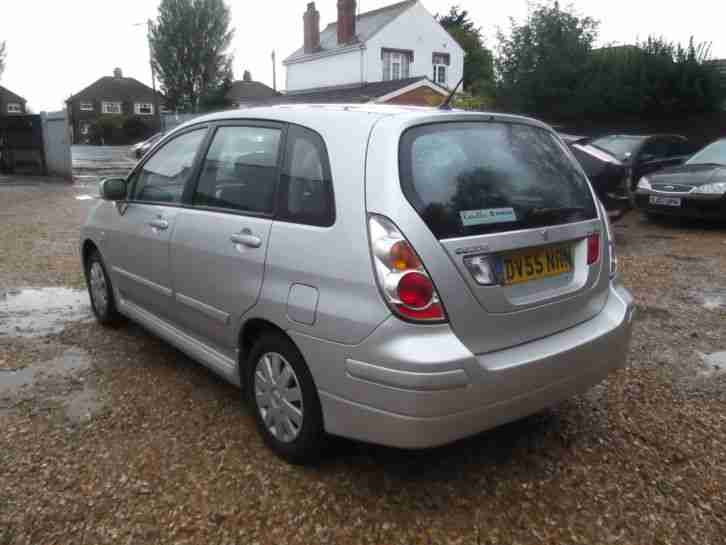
(113, 189)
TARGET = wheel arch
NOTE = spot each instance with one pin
(252, 330)
(87, 248)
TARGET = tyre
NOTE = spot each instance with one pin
(284, 399)
(100, 291)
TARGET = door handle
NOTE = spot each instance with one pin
(159, 223)
(246, 238)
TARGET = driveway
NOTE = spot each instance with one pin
(113, 436)
(93, 163)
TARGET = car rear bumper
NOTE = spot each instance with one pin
(693, 206)
(427, 391)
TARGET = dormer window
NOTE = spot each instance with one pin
(441, 62)
(396, 63)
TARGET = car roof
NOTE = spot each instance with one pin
(639, 136)
(318, 116)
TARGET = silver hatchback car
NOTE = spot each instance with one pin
(401, 276)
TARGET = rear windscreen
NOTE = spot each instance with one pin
(474, 178)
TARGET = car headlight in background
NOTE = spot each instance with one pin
(644, 183)
(719, 188)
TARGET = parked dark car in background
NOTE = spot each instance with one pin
(695, 189)
(615, 163)
(140, 149)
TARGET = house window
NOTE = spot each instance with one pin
(441, 62)
(111, 107)
(15, 108)
(396, 63)
(86, 106)
(144, 108)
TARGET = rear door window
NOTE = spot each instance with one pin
(475, 178)
(240, 170)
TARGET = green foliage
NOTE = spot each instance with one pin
(119, 129)
(135, 128)
(216, 97)
(477, 103)
(546, 66)
(478, 61)
(541, 61)
(3, 56)
(189, 43)
(654, 78)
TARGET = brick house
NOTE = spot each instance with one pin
(10, 103)
(114, 100)
(395, 54)
(247, 92)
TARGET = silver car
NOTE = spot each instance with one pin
(401, 276)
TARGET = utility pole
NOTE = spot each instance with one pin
(274, 72)
(157, 114)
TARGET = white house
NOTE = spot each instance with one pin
(398, 53)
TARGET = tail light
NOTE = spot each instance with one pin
(593, 248)
(402, 278)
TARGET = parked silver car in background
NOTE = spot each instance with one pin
(402, 276)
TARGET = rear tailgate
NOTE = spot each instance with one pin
(501, 217)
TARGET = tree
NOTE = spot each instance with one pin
(3, 56)
(189, 43)
(541, 62)
(478, 61)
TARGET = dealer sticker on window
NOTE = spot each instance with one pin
(487, 215)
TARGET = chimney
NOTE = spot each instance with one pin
(117, 73)
(346, 21)
(311, 24)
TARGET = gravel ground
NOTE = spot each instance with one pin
(113, 436)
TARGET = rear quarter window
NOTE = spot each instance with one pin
(472, 178)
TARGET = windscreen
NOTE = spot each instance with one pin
(618, 146)
(714, 153)
(474, 178)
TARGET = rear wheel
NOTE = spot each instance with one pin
(101, 291)
(285, 400)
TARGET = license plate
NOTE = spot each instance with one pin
(665, 201)
(535, 263)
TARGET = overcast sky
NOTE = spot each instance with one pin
(56, 48)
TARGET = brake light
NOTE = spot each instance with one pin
(402, 278)
(593, 248)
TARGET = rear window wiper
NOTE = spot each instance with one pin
(564, 211)
(541, 211)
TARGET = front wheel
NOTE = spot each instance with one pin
(285, 400)
(100, 291)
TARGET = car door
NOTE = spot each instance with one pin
(220, 240)
(140, 245)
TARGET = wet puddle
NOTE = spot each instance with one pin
(72, 361)
(36, 312)
(713, 363)
(711, 298)
(59, 382)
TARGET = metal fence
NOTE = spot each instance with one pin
(172, 120)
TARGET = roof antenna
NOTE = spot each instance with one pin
(446, 105)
